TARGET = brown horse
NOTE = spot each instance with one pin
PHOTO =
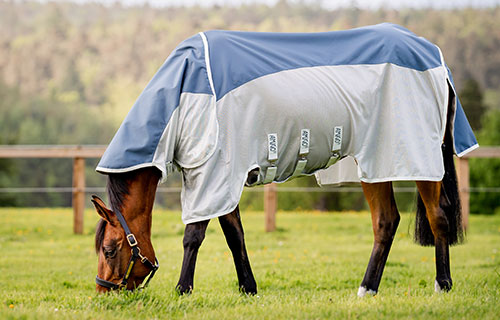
(124, 233)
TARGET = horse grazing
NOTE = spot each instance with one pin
(230, 109)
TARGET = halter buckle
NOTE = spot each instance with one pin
(132, 241)
(143, 258)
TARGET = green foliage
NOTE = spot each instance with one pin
(310, 269)
(471, 98)
(7, 171)
(486, 172)
(51, 120)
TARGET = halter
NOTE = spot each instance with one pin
(136, 254)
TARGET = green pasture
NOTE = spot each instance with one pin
(309, 269)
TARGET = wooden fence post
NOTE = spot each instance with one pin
(78, 194)
(463, 188)
(270, 206)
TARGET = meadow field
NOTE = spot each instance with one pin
(310, 268)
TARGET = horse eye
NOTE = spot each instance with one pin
(109, 253)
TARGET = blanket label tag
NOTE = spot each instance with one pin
(304, 142)
(272, 139)
(337, 139)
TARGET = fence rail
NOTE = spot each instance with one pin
(78, 190)
(52, 151)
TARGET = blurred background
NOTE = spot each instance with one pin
(70, 71)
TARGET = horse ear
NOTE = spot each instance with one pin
(103, 211)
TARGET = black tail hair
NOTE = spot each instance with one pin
(449, 200)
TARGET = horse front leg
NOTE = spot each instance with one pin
(385, 221)
(193, 237)
(233, 231)
(430, 193)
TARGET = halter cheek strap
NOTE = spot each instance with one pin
(136, 254)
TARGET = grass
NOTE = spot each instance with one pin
(309, 269)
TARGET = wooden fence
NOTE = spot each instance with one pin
(80, 153)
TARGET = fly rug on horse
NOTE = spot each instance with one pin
(230, 109)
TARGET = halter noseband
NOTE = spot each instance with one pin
(136, 254)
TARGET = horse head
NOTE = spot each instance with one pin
(123, 236)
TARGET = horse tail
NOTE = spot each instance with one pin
(449, 200)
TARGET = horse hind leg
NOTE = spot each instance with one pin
(430, 194)
(385, 221)
(193, 237)
(233, 231)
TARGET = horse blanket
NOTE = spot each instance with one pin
(282, 105)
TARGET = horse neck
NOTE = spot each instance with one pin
(138, 203)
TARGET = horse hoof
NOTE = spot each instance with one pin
(442, 285)
(248, 291)
(362, 291)
(181, 290)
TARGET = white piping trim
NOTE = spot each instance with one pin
(131, 168)
(207, 63)
(441, 57)
(463, 153)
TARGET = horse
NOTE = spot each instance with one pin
(210, 112)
